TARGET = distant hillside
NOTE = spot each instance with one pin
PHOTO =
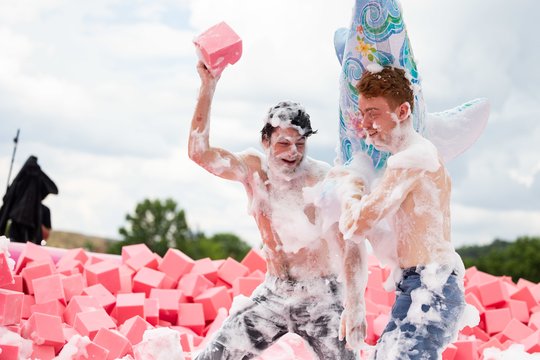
(70, 240)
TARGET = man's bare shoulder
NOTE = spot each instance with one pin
(317, 167)
(253, 159)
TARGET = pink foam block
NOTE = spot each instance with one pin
(129, 251)
(258, 274)
(77, 254)
(93, 260)
(493, 293)
(11, 305)
(214, 326)
(218, 263)
(129, 305)
(290, 344)
(16, 285)
(480, 334)
(496, 320)
(480, 277)
(213, 299)
(28, 301)
(70, 266)
(9, 352)
(94, 352)
(519, 310)
(380, 296)
(491, 343)
(169, 283)
(450, 352)
(254, 260)
(105, 273)
(30, 253)
(231, 269)
(194, 284)
(143, 259)
(68, 332)
(78, 304)
(218, 46)
(44, 329)
(207, 268)
(6, 275)
(516, 331)
(52, 307)
(126, 278)
(245, 285)
(525, 294)
(151, 311)
(117, 344)
(147, 279)
(103, 296)
(176, 264)
(371, 338)
(33, 271)
(379, 324)
(73, 285)
(134, 328)
(534, 321)
(49, 288)
(375, 277)
(535, 290)
(471, 299)
(220, 282)
(41, 352)
(192, 316)
(466, 350)
(168, 301)
(88, 323)
(532, 343)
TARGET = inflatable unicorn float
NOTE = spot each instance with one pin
(377, 35)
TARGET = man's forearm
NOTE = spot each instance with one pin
(200, 124)
(355, 271)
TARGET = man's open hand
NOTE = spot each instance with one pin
(353, 326)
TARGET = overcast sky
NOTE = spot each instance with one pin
(104, 90)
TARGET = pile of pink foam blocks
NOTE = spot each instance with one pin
(113, 300)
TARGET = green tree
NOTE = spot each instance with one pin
(162, 225)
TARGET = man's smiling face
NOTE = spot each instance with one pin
(286, 149)
(378, 120)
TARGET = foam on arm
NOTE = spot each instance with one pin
(385, 198)
(217, 161)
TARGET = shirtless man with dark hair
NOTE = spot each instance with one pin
(301, 293)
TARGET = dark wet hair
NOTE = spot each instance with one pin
(287, 110)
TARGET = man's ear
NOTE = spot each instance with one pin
(404, 111)
(265, 142)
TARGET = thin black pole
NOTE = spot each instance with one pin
(16, 141)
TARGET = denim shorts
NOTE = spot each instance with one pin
(425, 333)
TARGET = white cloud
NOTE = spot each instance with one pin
(144, 40)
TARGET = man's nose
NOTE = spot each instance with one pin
(293, 149)
(366, 123)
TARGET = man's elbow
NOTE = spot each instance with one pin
(195, 155)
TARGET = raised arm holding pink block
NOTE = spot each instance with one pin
(218, 47)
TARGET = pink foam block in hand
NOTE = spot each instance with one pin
(218, 47)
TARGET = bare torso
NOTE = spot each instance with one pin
(292, 243)
(422, 223)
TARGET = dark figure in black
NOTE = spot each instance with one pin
(29, 219)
